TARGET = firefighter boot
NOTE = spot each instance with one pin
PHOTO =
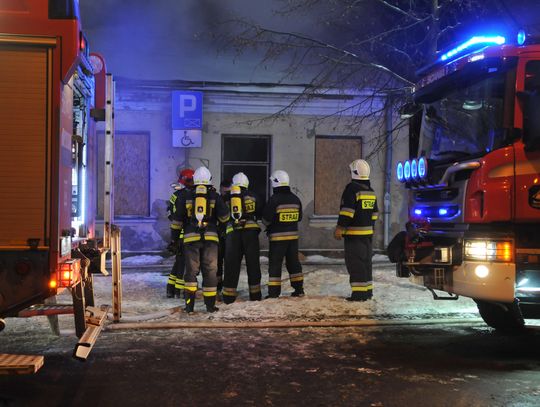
(298, 292)
(357, 296)
(210, 303)
(170, 290)
(273, 291)
(190, 301)
(256, 296)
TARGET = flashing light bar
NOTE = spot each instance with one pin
(521, 37)
(407, 170)
(414, 169)
(399, 172)
(444, 212)
(477, 40)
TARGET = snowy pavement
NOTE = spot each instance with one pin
(326, 286)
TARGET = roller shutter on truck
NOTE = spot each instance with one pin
(23, 144)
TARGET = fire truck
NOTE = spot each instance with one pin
(52, 94)
(473, 179)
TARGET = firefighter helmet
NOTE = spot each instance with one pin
(279, 178)
(186, 177)
(240, 180)
(202, 176)
(359, 169)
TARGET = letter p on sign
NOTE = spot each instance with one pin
(187, 107)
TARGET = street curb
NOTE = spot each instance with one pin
(289, 324)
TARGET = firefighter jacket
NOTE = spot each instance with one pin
(215, 212)
(251, 211)
(358, 209)
(176, 226)
(282, 214)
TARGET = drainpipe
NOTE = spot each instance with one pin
(388, 172)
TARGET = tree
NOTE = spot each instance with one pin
(372, 47)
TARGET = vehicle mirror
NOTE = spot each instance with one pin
(531, 119)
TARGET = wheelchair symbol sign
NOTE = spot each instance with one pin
(187, 138)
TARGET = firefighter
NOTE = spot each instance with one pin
(242, 240)
(175, 283)
(224, 189)
(357, 213)
(281, 216)
(199, 211)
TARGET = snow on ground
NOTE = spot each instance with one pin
(326, 287)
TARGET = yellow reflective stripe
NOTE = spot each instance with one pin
(231, 292)
(209, 293)
(358, 232)
(293, 279)
(229, 229)
(274, 283)
(224, 219)
(190, 288)
(280, 238)
(172, 279)
(173, 198)
(254, 288)
(374, 217)
(211, 238)
(251, 226)
(347, 213)
(365, 195)
(192, 239)
(175, 226)
(366, 288)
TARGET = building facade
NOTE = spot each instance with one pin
(244, 129)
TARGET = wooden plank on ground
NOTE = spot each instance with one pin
(20, 364)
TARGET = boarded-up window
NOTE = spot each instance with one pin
(332, 158)
(131, 174)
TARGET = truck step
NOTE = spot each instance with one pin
(46, 309)
(95, 318)
(20, 364)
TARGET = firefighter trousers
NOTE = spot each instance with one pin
(358, 253)
(201, 255)
(242, 243)
(175, 283)
(279, 250)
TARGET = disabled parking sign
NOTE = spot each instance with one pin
(187, 108)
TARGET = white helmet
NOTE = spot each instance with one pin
(240, 180)
(279, 178)
(359, 169)
(202, 176)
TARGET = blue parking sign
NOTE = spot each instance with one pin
(187, 108)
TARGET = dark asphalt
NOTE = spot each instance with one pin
(381, 366)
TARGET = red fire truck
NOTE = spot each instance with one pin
(52, 93)
(474, 179)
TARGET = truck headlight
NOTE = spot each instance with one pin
(488, 250)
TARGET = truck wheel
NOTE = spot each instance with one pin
(504, 317)
(2, 324)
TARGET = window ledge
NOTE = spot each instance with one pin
(323, 221)
(123, 220)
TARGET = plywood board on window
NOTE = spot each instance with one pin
(332, 158)
(131, 174)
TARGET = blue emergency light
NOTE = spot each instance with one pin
(475, 42)
(399, 172)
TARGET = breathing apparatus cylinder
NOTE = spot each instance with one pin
(236, 203)
(200, 204)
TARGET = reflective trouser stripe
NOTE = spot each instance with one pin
(209, 291)
(274, 281)
(190, 287)
(296, 277)
(281, 238)
(347, 212)
(172, 279)
(231, 292)
(358, 231)
(364, 288)
(254, 289)
(179, 283)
